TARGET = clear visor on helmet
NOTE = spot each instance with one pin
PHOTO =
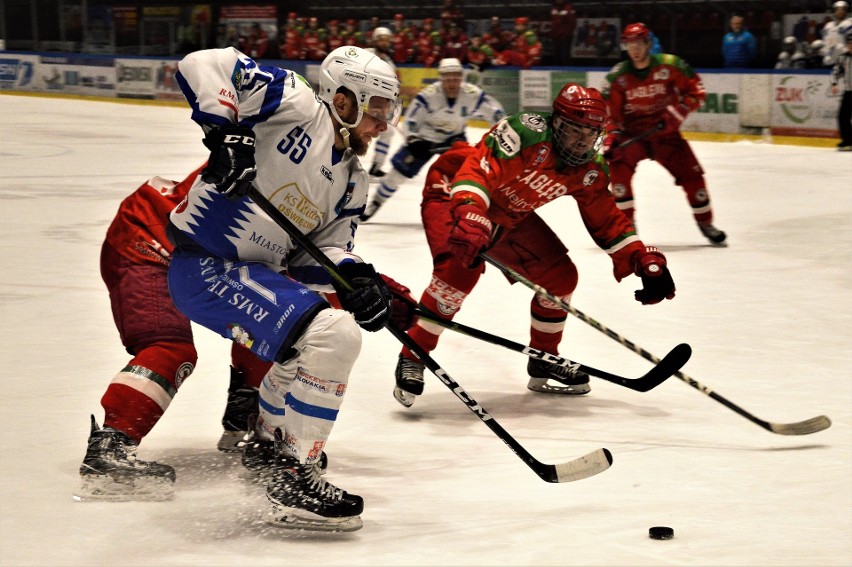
(382, 109)
(576, 143)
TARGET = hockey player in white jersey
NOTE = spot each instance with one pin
(382, 39)
(436, 119)
(236, 272)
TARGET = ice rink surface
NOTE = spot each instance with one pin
(769, 319)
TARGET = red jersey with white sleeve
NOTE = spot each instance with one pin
(514, 170)
(638, 98)
(138, 231)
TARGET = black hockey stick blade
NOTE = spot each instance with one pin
(662, 371)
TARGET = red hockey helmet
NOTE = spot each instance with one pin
(579, 122)
(635, 32)
(522, 21)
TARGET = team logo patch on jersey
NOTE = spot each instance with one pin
(240, 335)
(301, 211)
(590, 178)
(507, 139)
(534, 122)
(183, 373)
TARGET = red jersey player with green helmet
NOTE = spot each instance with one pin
(648, 92)
(483, 198)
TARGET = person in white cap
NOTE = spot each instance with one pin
(834, 33)
(436, 118)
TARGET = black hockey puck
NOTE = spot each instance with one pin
(660, 532)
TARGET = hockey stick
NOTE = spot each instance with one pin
(805, 427)
(641, 136)
(588, 465)
(672, 362)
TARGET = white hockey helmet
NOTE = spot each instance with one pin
(371, 80)
(382, 32)
(841, 4)
(450, 65)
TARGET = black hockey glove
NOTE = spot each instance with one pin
(420, 149)
(657, 282)
(230, 167)
(369, 301)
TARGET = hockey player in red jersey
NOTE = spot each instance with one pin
(483, 198)
(134, 262)
(648, 92)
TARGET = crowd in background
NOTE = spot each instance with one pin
(516, 42)
(304, 38)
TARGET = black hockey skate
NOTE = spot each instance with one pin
(300, 499)
(713, 234)
(571, 381)
(409, 381)
(111, 471)
(242, 402)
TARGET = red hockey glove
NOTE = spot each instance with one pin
(673, 117)
(470, 235)
(403, 304)
(657, 283)
(610, 148)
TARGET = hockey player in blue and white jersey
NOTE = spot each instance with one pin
(436, 118)
(236, 272)
(382, 39)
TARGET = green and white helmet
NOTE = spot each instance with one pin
(373, 82)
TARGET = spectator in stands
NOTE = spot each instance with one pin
(525, 50)
(480, 56)
(333, 36)
(256, 43)
(428, 44)
(563, 19)
(496, 37)
(739, 48)
(313, 41)
(841, 81)
(291, 38)
(352, 36)
(454, 43)
(404, 38)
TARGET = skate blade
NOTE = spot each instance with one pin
(232, 441)
(403, 397)
(541, 385)
(105, 489)
(295, 519)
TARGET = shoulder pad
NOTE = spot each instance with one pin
(519, 131)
